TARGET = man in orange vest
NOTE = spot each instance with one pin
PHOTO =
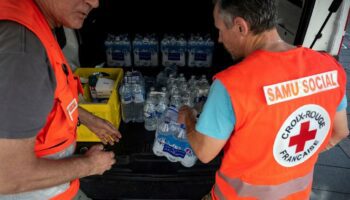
(39, 104)
(272, 113)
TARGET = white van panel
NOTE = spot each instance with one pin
(333, 32)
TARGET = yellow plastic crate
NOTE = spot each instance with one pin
(109, 111)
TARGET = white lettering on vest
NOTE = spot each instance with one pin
(301, 87)
(72, 106)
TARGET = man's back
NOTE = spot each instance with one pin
(284, 103)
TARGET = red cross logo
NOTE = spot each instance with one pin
(304, 136)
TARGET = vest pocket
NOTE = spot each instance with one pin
(69, 106)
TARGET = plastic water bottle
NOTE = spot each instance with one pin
(162, 105)
(183, 88)
(181, 80)
(171, 146)
(192, 82)
(170, 115)
(176, 101)
(171, 81)
(165, 133)
(163, 130)
(165, 91)
(187, 98)
(190, 158)
(174, 90)
(125, 92)
(160, 138)
(204, 88)
(139, 100)
(150, 112)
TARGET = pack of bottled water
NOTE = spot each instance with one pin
(173, 50)
(171, 141)
(200, 51)
(145, 50)
(132, 95)
(118, 50)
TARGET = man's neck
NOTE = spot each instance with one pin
(268, 41)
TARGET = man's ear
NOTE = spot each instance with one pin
(241, 25)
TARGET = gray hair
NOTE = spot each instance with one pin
(260, 14)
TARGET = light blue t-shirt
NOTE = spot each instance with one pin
(218, 117)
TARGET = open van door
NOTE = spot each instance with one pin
(301, 20)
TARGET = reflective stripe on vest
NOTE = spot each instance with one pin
(218, 192)
(264, 192)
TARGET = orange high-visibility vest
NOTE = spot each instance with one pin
(59, 132)
(284, 105)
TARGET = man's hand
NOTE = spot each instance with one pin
(206, 148)
(187, 116)
(102, 128)
(99, 159)
(21, 170)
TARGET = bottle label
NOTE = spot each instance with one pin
(174, 56)
(174, 152)
(145, 56)
(127, 99)
(117, 55)
(149, 115)
(174, 146)
(200, 56)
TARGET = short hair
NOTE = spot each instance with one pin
(260, 14)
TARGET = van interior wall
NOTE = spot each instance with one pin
(153, 16)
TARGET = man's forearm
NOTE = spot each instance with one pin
(84, 116)
(21, 170)
(42, 173)
(206, 148)
(340, 129)
(49, 173)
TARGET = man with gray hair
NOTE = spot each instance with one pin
(272, 113)
(39, 104)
